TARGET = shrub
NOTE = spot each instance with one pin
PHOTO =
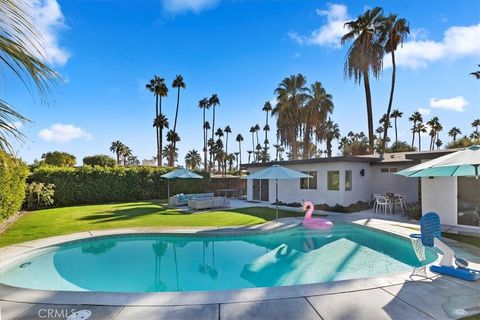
(87, 185)
(354, 207)
(414, 210)
(59, 159)
(39, 195)
(401, 146)
(99, 160)
(463, 143)
(13, 173)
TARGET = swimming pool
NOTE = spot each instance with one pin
(161, 263)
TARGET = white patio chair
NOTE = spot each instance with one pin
(374, 197)
(400, 200)
(383, 203)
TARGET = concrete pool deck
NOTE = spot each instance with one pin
(395, 296)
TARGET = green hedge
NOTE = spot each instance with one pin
(13, 173)
(87, 185)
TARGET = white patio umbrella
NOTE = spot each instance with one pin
(180, 173)
(277, 172)
(464, 163)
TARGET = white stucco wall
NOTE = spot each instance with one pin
(382, 182)
(440, 195)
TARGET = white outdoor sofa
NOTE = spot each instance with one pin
(182, 199)
(214, 202)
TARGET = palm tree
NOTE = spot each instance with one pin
(438, 143)
(454, 132)
(239, 139)
(435, 128)
(117, 147)
(365, 56)
(159, 89)
(386, 123)
(179, 84)
(160, 122)
(332, 132)
(21, 47)
(227, 130)
(395, 114)
(393, 32)
(314, 114)
(213, 102)
(267, 107)
(476, 74)
(203, 104)
(236, 154)
(257, 129)
(170, 152)
(193, 159)
(420, 128)
(206, 127)
(173, 138)
(476, 124)
(126, 153)
(230, 159)
(252, 131)
(291, 93)
(416, 117)
(211, 150)
(249, 154)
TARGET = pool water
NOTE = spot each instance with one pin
(157, 263)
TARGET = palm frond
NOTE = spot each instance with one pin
(8, 126)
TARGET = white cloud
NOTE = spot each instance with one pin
(424, 111)
(418, 34)
(196, 6)
(458, 42)
(50, 21)
(62, 133)
(330, 33)
(454, 104)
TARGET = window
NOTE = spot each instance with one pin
(333, 180)
(309, 183)
(348, 180)
(386, 170)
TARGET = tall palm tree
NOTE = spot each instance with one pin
(291, 93)
(393, 32)
(454, 132)
(318, 106)
(257, 129)
(227, 130)
(249, 154)
(395, 114)
(160, 122)
(365, 56)
(239, 139)
(159, 89)
(435, 127)
(267, 107)
(213, 102)
(193, 159)
(416, 118)
(169, 152)
(420, 128)
(476, 74)
(179, 84)
(236, 154)
(117, 147)
(126, 153)
(385, 123)
(332, 132)
(476, 124)
(203, 104)
(252, 131)
(21, 52)
(173, 138)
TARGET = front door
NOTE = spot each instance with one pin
(264, 190)
(256, 190)
(468, 201)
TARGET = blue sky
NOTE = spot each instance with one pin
(240, 50)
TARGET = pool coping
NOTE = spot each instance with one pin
(15, 294)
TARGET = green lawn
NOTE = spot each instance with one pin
(58, 221)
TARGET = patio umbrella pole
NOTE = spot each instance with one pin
(276, 196)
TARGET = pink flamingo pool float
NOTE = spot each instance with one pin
(314, 223)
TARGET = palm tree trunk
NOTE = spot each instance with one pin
(213, 130)
(253, 141)
(240, 152)
(396, 133)
(413, 133)
(204, 141)
(118, 158)
(419, 142)
(389, 109)
(368, 98)
(157, 135)
(176, 116)
(160, 138)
